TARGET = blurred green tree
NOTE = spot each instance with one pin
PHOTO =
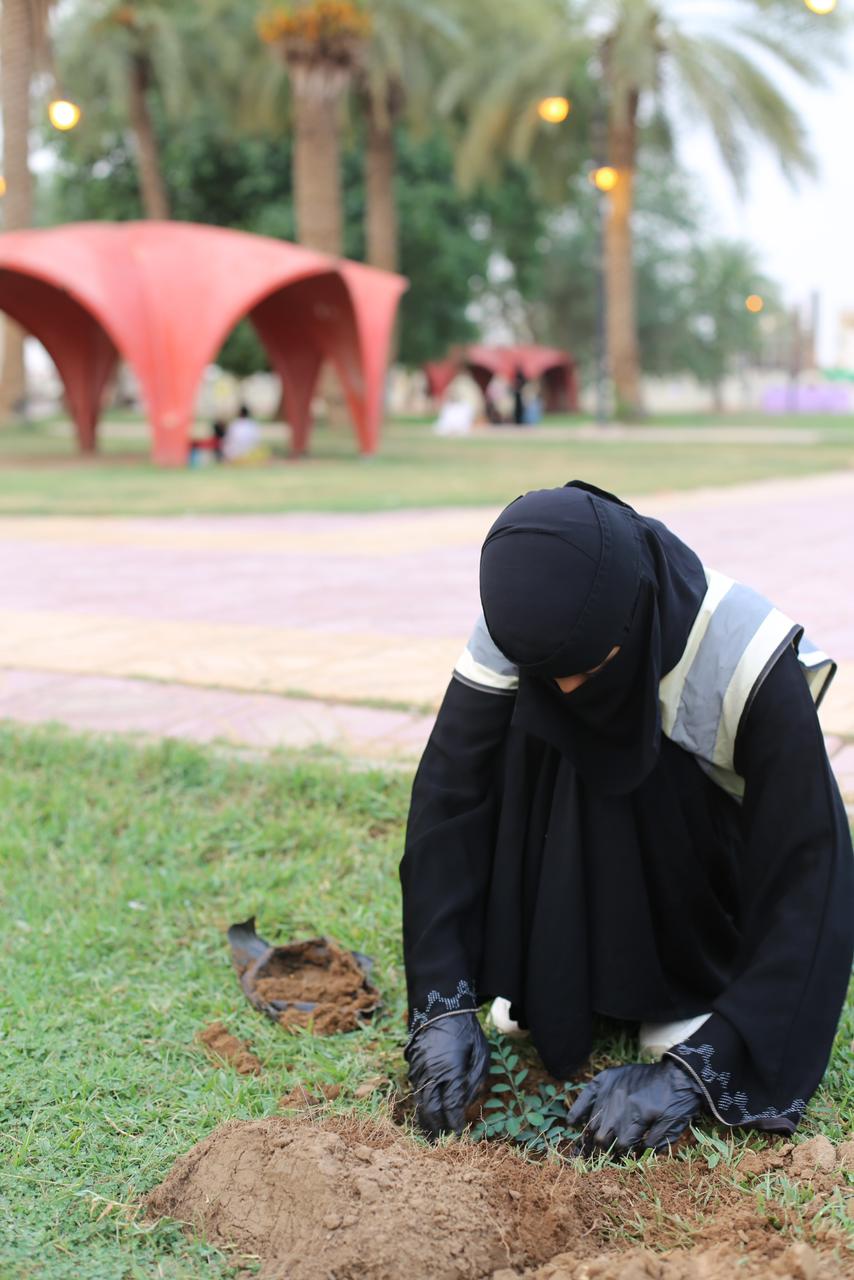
(652, 67)
(409, 42)
(720, 334)
(691, 289)
(118, 57)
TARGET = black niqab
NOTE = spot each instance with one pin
(566, 576)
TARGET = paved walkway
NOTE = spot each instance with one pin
(206, 627)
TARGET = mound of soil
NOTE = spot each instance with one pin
(222, 1046)
(338, 1199)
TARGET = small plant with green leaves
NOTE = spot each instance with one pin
(535, 1119)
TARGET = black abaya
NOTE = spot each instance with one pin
(673, 900)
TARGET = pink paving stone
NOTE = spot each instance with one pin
(109, 705)
(796, 549)
(791, 540)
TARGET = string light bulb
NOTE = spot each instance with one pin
(63, 115)
(554, 110)
(605, 178)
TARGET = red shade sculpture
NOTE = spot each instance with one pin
(165, 295)
(556, 368)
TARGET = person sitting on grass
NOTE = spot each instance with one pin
(242, 441)
(626, 809)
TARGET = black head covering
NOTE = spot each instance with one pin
(566, 576)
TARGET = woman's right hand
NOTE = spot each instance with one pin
(448, 1066)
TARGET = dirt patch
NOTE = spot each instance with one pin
(321, 976)
(222, 1047)
(794, 1262)
(314, 984)
(299, 1098)
(340, 1199)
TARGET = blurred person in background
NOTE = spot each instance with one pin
(242, 441)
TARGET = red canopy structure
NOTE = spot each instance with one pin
(557, 369)
(165, 295)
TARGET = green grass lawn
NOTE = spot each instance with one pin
(40, 474)
(120, 870)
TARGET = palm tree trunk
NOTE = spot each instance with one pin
(623, 349)
(381, 228)
(155, 200)
(318, 202)
(317, 157)
(16, 68)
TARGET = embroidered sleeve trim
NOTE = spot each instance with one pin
(705, 1075)
(438, 1005)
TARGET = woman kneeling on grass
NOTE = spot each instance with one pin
(626, 808)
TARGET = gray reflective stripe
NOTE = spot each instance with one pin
(670, 687)
(775, 633)
(735, 640)
(484, 666)
(733, 624)
(818, 668)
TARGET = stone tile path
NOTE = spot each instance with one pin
(202, 627)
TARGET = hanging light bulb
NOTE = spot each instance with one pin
(63, 115)
(554, 110)
(605, 177)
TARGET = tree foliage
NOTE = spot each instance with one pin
(691, 286)
(497, 223)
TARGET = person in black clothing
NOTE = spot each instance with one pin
(625, 808)
(519, 384)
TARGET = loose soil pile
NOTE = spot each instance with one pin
(349, 1200)
(314, 983)
(321, 976)
(222, 1046)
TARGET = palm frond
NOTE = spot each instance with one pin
(709, 100)
(742, 103)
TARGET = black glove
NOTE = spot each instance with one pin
(448, 1065)
(635, 1107)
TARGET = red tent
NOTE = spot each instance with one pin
(165, 295)
(556, 368)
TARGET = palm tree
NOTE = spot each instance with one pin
(114, 54)
(322, 43)
(658, 61)
(408, 42)
(23, 25)
(723, 72)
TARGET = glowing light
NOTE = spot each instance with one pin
(63, 115)
(554, 110)
(754, 303)
(605, 178)
(2, 187)
(821, 7)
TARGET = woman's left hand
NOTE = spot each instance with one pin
(633, 1108)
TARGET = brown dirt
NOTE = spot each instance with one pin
(221, 1046)
(344, 1199)
(317, 973)
(299, 1098)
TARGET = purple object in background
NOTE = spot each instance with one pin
(827, 398)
